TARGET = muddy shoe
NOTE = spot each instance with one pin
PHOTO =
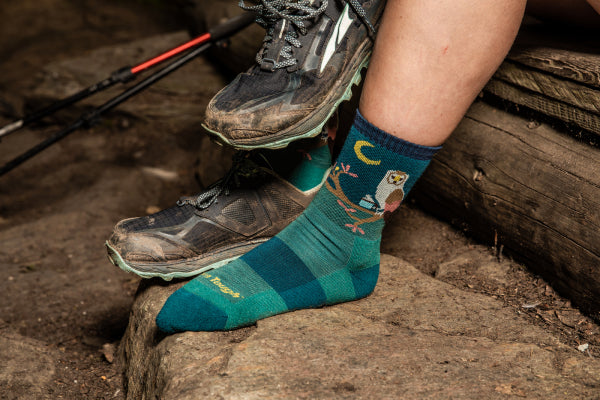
(313, 53)
(245, 208)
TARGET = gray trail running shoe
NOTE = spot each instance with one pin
(312, 54)
(245, 208)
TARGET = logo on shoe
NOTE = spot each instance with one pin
(341, 27)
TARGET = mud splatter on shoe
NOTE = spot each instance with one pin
(247, 207)
(312, 54)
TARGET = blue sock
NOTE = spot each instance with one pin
(328, 255)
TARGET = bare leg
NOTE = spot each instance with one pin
(431, 59)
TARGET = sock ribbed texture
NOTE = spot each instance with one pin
(328, 255)
(311, 170)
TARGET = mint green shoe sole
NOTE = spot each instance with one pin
(184, 268)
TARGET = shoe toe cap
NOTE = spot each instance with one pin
(148, 248)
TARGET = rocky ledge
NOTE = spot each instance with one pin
(415, 337)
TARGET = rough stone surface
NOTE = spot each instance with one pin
(25, 364)
(415, 337)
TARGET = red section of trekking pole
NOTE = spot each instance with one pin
(124, 74)
(165, 56)
(128, 73)
(199, 44)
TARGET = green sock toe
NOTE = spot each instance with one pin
(184, 311)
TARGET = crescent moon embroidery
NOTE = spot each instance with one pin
(357, 149)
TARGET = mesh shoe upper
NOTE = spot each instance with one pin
(311, 55)
(241, 210)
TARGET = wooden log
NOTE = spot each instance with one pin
(547, 107)
(582, 66)
(557, 76)
(556, 90)
(533, 190)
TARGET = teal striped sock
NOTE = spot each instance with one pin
(311, 170)
(328, 255)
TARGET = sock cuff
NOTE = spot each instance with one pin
(393, 143)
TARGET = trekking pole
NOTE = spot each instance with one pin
(87, 120)
(128, 73)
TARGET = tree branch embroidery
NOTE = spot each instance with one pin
(349, 207)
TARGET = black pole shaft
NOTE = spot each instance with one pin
(90, 119)
(69, 100)
(150, 80)
(15, 162)
(126, 74)
(52, 108)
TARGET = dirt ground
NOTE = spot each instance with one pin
(59, 290)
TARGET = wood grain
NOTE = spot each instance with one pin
(579, 66)
(538, 102)
(554, 77)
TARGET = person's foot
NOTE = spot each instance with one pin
(328, 255)
(313, 53)
(247, 207)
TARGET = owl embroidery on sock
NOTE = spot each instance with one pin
(390, 191)
(388, 196)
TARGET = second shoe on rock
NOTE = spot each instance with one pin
(247, 207)
(312, 54)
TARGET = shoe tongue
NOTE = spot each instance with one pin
(272, 50)
(272, 54)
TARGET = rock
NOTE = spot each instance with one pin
(415, 337)
(485, 267)
(171, 110)
(27, 366)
